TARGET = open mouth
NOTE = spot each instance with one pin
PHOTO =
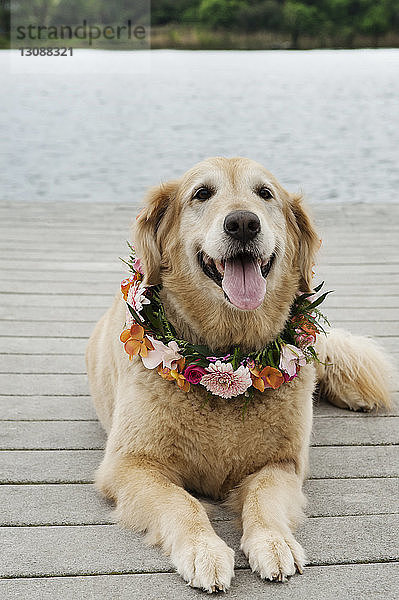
(242, 277)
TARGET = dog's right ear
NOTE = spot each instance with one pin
(149, 227)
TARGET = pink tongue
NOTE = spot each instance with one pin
(243, 283)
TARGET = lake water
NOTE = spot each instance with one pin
(324, 122)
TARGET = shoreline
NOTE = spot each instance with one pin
(177, 37)
(194, 38)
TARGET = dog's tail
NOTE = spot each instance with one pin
(354, 372)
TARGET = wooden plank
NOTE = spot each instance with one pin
(377, 313)
(350, 582)
(47, 466)
(76, 550)
(33, 384)
(354, 461)
(42, 408)
(352, 431)
(339, 300)
(44, 301)
(42, 345)
(85, 278)
(63, 266)
(47, 435)
(10, 255)
(70, 287)
(44, 363)
(371, 328)
(77, 504)
(67, 315)
(344, 497)
(390, 344)
(44, 329)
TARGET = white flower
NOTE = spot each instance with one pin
(290, 358)
(136, 297)
(167, 355)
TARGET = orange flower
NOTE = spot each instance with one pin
(177, 374)
(127, 283)
(135, 341)
(164, 372)
(306, 325)
(268, 377)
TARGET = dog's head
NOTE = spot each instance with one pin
(231, 248)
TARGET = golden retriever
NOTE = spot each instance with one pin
(163, 441)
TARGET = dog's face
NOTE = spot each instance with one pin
(232, 229)
(228, 238)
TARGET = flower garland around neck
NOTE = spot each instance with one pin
(149, 335)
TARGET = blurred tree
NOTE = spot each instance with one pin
(99, 11)
(376, 18)
(167, 11)
(300, 18)
(5, 24)
(74, 11)
(220, 13)
(37, 11)
(265, 15)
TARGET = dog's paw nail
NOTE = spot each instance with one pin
(273, 556)
(208, 564)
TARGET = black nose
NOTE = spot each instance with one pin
(242, 225)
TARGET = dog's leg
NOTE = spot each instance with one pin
(271, 503)
(355, 373)
(148, 500)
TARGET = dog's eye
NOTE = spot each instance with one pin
(264, 193)
(203, 193)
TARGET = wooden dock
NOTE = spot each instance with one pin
(59, 271)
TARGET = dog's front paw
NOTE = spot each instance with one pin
(206, 563)
(273, 555)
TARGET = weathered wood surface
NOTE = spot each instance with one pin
(57, 535)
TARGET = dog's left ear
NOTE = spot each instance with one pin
(309, 242)
(150, 227)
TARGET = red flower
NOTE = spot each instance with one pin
(194, 373)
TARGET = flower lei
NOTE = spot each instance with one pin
(149, 334)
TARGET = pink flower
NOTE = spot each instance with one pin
(304, 339)
(288, 377)
(291, 357)
(136, 296)
(137, 266)
(167, 355)
(194, 373)
(220, 379)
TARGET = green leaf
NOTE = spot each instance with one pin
(319, 300)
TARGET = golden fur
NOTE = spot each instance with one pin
(162, 441)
